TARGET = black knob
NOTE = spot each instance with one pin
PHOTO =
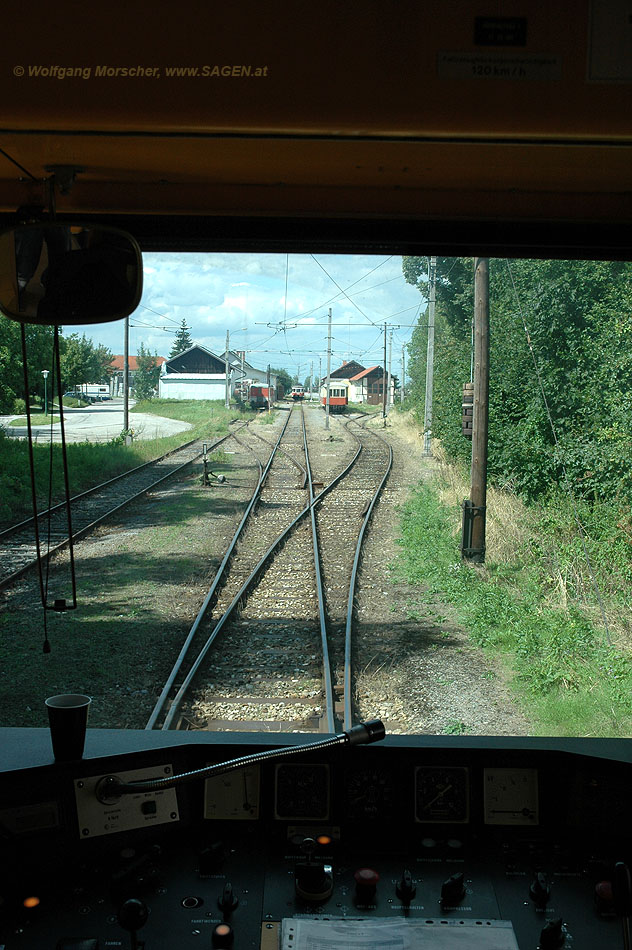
(405, 889)
(539, 891)
(223, 936)
(314, 882)
(552, 936)
(133, 914)
(211, 859)
(453, 889)
(227, 901)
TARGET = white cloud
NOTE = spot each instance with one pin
(246, 295)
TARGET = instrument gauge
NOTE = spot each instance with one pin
(301, 791)
(511, 796)
(442, 794)
(234, 795)
(369, 794)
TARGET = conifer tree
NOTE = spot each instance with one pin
(182, 340)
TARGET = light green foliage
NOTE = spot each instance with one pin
(283, 377)
(39, 348)
(83, 362)
(574, 682)
(147, 374)
(577, 344)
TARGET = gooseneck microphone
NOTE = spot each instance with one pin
(110, 787)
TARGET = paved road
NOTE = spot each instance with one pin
(99, 423)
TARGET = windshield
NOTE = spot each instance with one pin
(233, 595)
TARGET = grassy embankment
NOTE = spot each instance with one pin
(92, 462)
(535, 602)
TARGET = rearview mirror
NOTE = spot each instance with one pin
(62, 274)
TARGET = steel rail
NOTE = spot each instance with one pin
(177, 702)
(86, 529)
(322, 612)
(284, 452)
(208, 600)
(348, 715)
(18, 526)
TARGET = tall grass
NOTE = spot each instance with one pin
(535, 602)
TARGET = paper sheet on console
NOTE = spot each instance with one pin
(382, 933)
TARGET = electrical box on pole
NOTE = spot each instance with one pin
(467, 410)
(474, 510)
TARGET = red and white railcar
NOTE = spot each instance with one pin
(338, 395)
(260, 397)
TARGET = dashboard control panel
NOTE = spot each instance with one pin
(414, 841)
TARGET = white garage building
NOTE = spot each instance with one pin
(194, 374)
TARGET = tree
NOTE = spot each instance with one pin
(83, 362)
(560, 409)
(39, 350)
(147, 374)
(182, 340)
(283, 377)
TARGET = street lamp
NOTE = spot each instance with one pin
(45, 375)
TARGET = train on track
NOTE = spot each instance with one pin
(297, 393)
(260, 396)
(338, 396)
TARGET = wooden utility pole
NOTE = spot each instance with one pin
(474, 538)
(328, 369)
(227, 387)
(401, 388)
(432, 297)
(126, 376)
(384, 380)
(390, 364)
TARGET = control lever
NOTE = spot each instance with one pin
(313, 880)
(540, 890)
(453, 889)
(132, 916)
(227, 901)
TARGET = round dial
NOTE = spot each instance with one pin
(233, 795)
(369, 794)
(302, 791)
(442, 793)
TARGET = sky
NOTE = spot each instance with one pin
(275, 307)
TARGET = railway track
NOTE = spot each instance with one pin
(261, 645)
(18, 544)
